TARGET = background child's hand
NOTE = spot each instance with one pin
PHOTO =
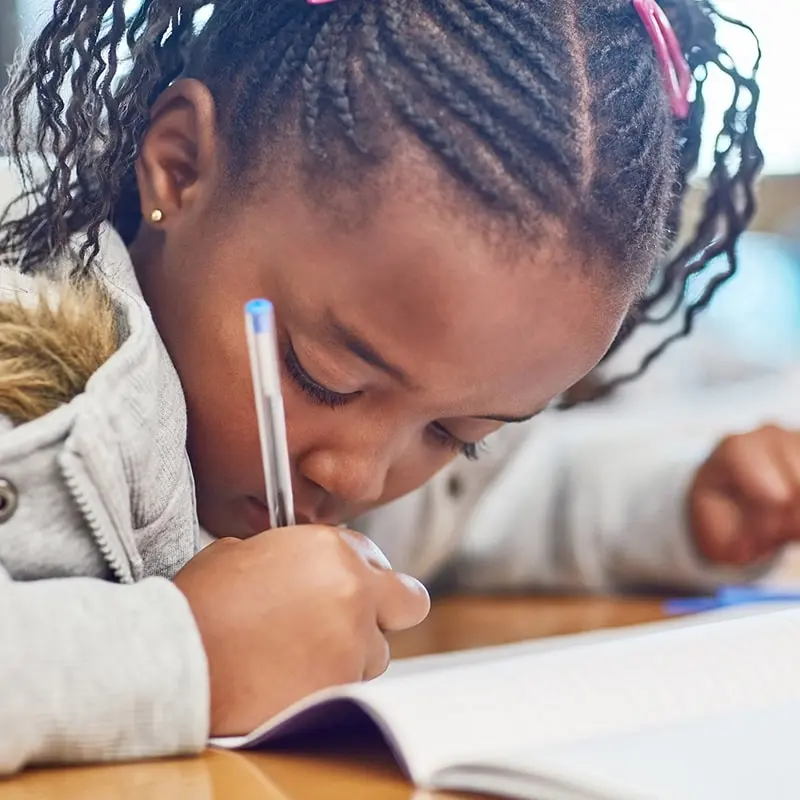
(744, 503)
(292, 611)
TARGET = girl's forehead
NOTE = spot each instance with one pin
(434, 295)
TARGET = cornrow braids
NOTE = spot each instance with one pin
(537, 109)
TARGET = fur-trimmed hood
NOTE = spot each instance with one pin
(53, 338)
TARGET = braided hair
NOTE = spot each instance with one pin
(537, 109)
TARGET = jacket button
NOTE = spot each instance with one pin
(8, 500)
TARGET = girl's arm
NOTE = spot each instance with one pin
(95, 671)
(89, 670)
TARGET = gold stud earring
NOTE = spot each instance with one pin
(156, 215)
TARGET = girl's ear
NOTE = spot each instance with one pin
(178, 161)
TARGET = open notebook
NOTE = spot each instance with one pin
(692, 710)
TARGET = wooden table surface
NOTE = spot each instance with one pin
(454, 624)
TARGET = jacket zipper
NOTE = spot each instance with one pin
(119, 570)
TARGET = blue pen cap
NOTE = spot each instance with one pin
(260, 312)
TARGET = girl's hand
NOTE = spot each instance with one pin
(291, 611)
(744, 503)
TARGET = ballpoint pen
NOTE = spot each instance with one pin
(262, 342)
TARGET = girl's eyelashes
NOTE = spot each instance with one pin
(443, 437)
(316, 391)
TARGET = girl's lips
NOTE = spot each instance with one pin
(257, 516)
(259, 520)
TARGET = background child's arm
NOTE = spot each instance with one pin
(625, 490)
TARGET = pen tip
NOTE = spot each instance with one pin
(260, 314)
(258, 306)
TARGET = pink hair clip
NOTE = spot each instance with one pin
(675, 68)
(319, 2)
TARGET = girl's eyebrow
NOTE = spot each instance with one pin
(346, 337)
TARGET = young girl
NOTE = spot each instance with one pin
(454, 207)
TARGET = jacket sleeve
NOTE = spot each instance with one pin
(595, 499)
(97, 671)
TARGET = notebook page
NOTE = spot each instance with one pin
(304, 715)
(736, 756)
(469, 713)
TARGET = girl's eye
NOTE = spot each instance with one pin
(316, 391)
(443, 437)
(327, 397)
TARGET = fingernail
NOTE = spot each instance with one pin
(412, 583)
(367, 549)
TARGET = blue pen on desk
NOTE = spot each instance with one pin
(737, 595)
(728, 596)
(262, 342)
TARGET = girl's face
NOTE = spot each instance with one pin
(407, 334)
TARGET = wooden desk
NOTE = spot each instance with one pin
(453, 625)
